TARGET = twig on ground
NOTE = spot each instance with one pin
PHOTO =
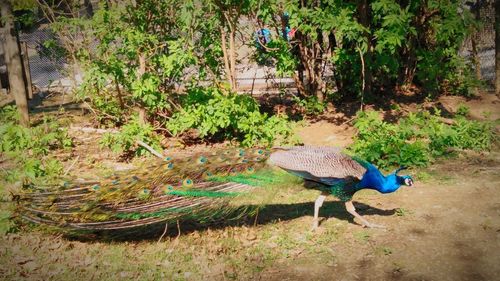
(71, 166)
(92, 130)
(150, 149)
(348, 121)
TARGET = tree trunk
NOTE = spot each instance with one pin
(497, 48)
(232, 56)
(227, 66)
(140, 72)
(26, 69)
(14, 64)
(364, 17)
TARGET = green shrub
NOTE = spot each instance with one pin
(28, 148)
(36, 141)
(130, 133)
(310, 105)
(26, 151)
(463, 110)
(228, 115)
(417, 138)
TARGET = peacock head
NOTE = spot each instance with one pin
(403, 180)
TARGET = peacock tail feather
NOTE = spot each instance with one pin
(196, 187)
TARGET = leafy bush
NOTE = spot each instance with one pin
(130, 133)
(215, 113)
(36, 140)
(310, 105)
(401, 42)
(417, 139)
(28, 148)
(463, 110)
(26, 151)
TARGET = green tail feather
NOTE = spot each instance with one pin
(176, 188)
(203, 193)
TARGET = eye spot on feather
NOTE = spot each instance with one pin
(143, 194)
(115, 182)
(187, 183)
(244, 161)
(202, 160)
(170, 166)
(95, 187)
(168, 158)
(166, 189)
(65, 184)
(242, 152)
(250, 170)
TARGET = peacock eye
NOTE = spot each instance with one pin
(202, 160)
(187, 182)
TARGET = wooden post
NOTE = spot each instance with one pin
(14, 63)
(1, 54)
(497, 48)
(26, 69)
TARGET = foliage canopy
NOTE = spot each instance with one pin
(153, 57)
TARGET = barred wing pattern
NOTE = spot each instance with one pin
(322, 163)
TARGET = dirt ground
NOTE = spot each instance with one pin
(446, 227)
(449, 231)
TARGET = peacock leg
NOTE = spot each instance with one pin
(350, 208)
(317, 204)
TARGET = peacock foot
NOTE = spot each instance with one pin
(317, 230)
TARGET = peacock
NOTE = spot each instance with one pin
(199, 186)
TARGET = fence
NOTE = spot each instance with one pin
(483, 39)
(47, 72)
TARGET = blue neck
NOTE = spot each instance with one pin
(373, 179)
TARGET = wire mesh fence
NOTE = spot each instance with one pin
(48, 72)
(483, 38)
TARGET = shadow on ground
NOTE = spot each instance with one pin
(267, 214)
